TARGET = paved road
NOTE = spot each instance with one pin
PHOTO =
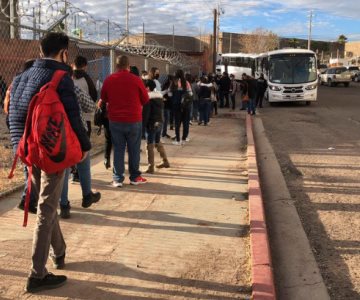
(318, 148)
(184, 235)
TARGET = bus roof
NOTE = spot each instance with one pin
(251, 55)
(289, 51)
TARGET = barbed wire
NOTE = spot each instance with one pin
(42, 14)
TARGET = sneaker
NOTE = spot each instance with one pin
(91, 198)
(50, 281)
(187, 140)
(58, 262)
(199, 123)
(138, 180)
(32, 207)
(117, 184)
(65, 211)
(190, 122)
(176, 143)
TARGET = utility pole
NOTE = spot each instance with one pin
(310, 29)
(127, 22)
(230, 46)
(173, 37)
(214, 40)
(218, 29)
(108, 31)
(12, 19)
(200, 41)
(34, 24)
(143, 33)
(65, 21)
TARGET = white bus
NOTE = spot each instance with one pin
(237, 64)
(291, 75)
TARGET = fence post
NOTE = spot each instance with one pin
(112, 60)
(146, 64)
(167, 69)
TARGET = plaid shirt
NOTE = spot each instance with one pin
(87, 105)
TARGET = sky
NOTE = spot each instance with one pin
(288, 18)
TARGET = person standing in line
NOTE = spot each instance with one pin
(167, 106)
(204, 101)
(233, 90)
(85, 83)
(195, 107)
(48, 187)
(180, 90)
(224, 83)
(243, 91)
(261, 86)
(153, 121)
(251, 92)
(84, 167)
(125, 94)
(154, 74)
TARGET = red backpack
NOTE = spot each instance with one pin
(49, 141)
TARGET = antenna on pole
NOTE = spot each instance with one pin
(310, 29)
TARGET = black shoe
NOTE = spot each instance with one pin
(171, 127)
(107, 163)
(90, 199)
(65, 211)
(50, 281)
(58, 262)
(167, 136)
(32, 207)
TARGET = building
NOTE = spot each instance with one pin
(352, 51)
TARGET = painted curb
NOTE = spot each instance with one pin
(263, 287)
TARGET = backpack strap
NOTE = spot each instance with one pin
(55, 80)
(27, 197)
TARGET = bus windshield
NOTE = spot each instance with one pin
(292, 68)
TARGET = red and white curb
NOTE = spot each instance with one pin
(263, 287)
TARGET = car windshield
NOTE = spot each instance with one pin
(292, 68)
(340, 70)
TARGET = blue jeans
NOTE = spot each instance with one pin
(33, 197)
(251, 106)
(195, 110)
(153, 135)
(85, 180)
(166, 121)
(126, 134)
(205, 110)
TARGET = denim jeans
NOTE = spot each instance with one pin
(195, 111)
(126, 134)
(33, 197)
(84, 177)
(223, 95)
(108, 143)
(166, 121)
(205, 110)
(153, 135)
(251, 106)
(182, 116)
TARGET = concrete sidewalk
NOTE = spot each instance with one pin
(184, 235)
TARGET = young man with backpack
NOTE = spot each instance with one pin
(48, 185)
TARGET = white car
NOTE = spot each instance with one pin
(336, 75)
(356, 76)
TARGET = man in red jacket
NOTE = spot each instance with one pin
(125, 94)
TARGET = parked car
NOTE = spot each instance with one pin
(353, 70)
(336, 75)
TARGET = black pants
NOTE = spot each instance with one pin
(108, 143)
(214, 107)
(88, 123)
(233, 99)
(259, 99)
(182, 116)
(224, 94)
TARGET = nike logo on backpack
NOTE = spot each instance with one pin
(49, 139)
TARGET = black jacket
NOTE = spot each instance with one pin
(225, 84)
(153, 111)
(204, 92)
(261, 86)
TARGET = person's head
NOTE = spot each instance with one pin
(179, 74)
(150, 85)
(262, 75)
(232, 77)
(80, 62)
(154, 73)
(225, 74)
(144, 75)
(204, 79)
(55, 45)
(134, 70)
(123, 63)
(244, 76)
(189, 78)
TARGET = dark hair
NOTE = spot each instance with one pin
(150, 84)
(180, 75)
(28, 64)
(143, 72)
(204, 79)
(80, 62)
(189, 78)
(168, 82)
(122, 62)
(53, 43)
(134, 70)
(152, 71)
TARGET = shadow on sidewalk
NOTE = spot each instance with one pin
(199, 226)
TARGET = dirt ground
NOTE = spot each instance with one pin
(184, 235)
(318, 149)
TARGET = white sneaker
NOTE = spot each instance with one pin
(117, 184)
(176, 143)
(187, 140)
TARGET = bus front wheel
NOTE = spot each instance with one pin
(308, 103)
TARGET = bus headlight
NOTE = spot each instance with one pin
(311, 87)
(275, 88)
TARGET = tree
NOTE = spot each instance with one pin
(259, 41)
(294, 43)
(342, 39)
